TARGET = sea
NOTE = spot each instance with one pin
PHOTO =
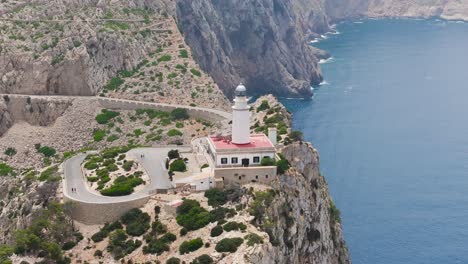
(390, 122)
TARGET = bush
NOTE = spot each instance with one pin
(168, 238)
(179, 114)
(174, 132)
(335, 213)
(105, 116)
(122, 186)
(195, 72)
(263, 106)
(178, 165)
(166, 57)
(98, 253)
(282, 166)
(229, 244)
(10, 152)
(230, 226)
(216, 197)
(183, 231)
(253, 239)
(173, 260)
(183, 53)
(137, 222)
(190, 246)
(203, 259)
(114, 83)
(216, 231)
(192, 216)
(173, 154)
(98, 135)
(47, 151)
(50, 175)
(127, 166)
(68, 245)
(5, 169)
(296, 136)
(267, 161)
(155, 247)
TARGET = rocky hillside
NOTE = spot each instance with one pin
(125, 49)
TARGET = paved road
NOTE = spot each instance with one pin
(153, 163)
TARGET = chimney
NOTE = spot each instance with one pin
(272, 135)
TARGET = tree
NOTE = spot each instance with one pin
(216, 197)
(179, 114)
(190, 246)
(229, 244)
(267, 161)
(173, 154)
(282, 166)
(296, 136)
(178, 165)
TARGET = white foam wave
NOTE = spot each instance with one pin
(314, 41)
(323, 83)
(322, 61)
(358, 22)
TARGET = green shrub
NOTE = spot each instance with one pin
(122, 186)
(127, 165)
(267, 161)
(178, 165)
(5, 169)
(166, 57)
(50, 175)
(263, 106)
(335, 213)
(230, 226)
(261, 201)
(112, 138)
(174, 132)
(179, 114)
(137, 222)
(229, 244)
(155, 247)
(204, 166)
(173, 260)
(105, 116)
(98, 135)
(216, 197)
(183, 231)
(192, 216)
(98, 253)
(183, 53)
(114, 83)
(203, 259)
(173, 154)
(10, 152)
(216, 231)
(47, 151)
(195, 72)
(296, 136)
(93, 179)
(282, 166)
(69, 245)
(91, 165)
(168, 238)
(190, 246)
(253, 239)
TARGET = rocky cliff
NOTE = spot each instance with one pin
(306, 225)
(261, 43)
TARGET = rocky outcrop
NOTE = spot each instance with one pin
(304, 227)
(261, 43)
(35, 111)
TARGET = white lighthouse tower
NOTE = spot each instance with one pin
(241, 117)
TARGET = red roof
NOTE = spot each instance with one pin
(256, 141)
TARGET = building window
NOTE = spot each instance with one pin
(240, 178)
(256, 159)
(223, 160)
(234, 160)
(266, 176)
(256, 177)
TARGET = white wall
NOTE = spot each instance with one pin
(241, 156)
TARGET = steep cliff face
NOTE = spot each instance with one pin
(261, 43)
(306, 224)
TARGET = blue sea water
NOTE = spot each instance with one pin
(391, 127)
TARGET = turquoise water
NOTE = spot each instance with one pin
(391, 126)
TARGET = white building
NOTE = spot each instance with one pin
(237, 158)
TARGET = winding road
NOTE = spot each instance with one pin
(152, 161)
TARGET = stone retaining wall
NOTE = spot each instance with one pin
(100, 213)
(242, 175)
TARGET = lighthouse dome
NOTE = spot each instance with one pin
(241, 90)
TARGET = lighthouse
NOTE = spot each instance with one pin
(241, 117)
